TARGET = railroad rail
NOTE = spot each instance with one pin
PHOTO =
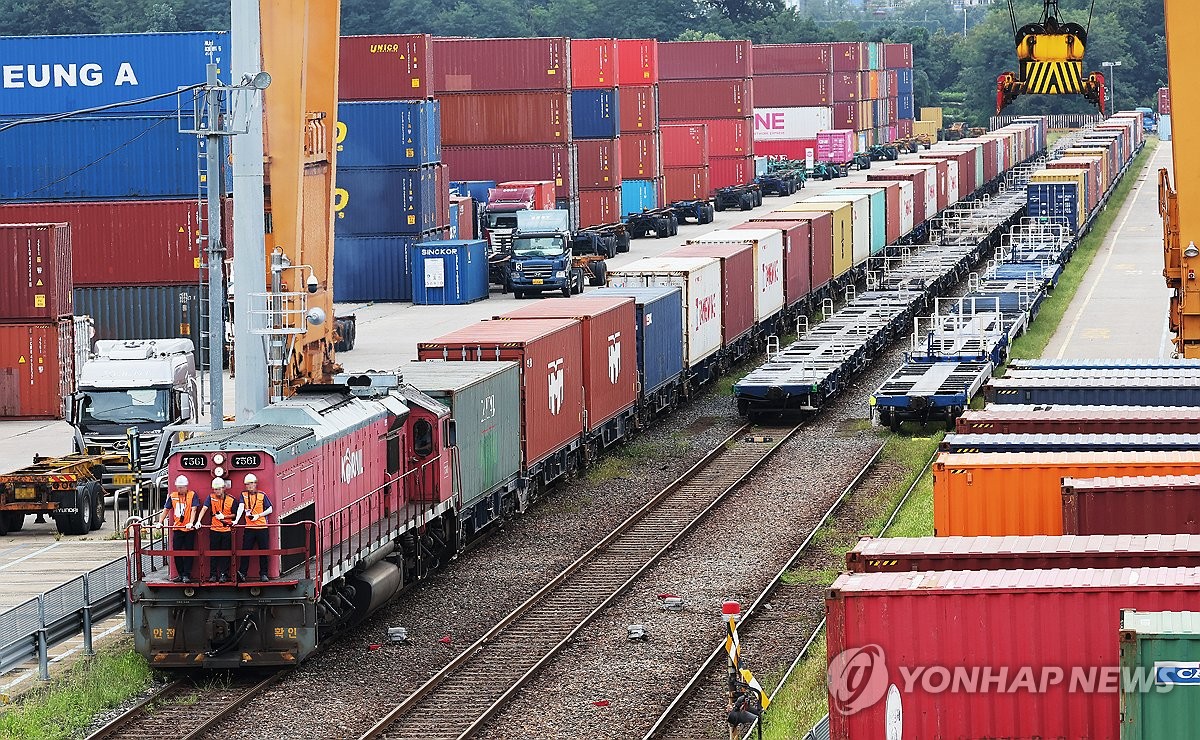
(756, 620)
(183, 710)
(461, 697)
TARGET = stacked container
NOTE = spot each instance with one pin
(685, 162)
(710, 83)
(596, 129)
(641, 143)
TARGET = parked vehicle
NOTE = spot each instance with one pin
(543, 258)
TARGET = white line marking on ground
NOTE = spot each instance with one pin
(35, 553)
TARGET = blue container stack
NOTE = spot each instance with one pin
(595, 114)
(387, 196)
(638, 195)
(1056, 201)
(448, 273)
(906, 104)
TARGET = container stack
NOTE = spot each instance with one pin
(596, 129)
(710, 84)
(1164, 113)
(133, 228)
(898, 63)
(392, 191)
(37, 338)
(637, 91)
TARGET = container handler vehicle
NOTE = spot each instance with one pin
(782, 178)
(1050, 60)
(742, 197)
(68, 488)
(664, 222)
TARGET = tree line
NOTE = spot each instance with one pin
(958, 54)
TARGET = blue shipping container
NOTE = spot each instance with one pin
(389, 133)
(142, 311)
(905, 81)
(906, 106)
(375, 201)
(638, 195)
(452, 231)
(476, 189)
(594, 114)
(1058, 201)
(449, 273)
(372, 268)
(110, 158)
(41, 75)
(659, 333)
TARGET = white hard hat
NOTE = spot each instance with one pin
(218, 482)
(181, 480)
(251, 478)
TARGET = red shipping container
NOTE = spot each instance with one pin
(466, 216)
(737, 284)
(637, 62)
(37, 369)
(797, 150)
(846, 116)
(639, 156)
(726, 171)
(685, 183)
(1164, 101)
(821, 233)
(550, 355)
(897, 56)
(792, 59)
(392, 67)
(1013, 419)
(900, 554)
(555, 163)
(609, 350)
(848, 87)
(35, 272)
(684, 145)
(505, 118)
(797, 256)
(500, 65)
(1037, 621)
(638, 109)
(599, 207)
(690, 100)
(443, 195)
(599, 163)
(904, 127)
(544, 192)
(730, 137)
(705, 60)
(849, 57)
(593, 63)
(793, 91)
(1140, 504)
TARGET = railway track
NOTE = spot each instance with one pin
(183, 710)
(456, 701)
(704, 693)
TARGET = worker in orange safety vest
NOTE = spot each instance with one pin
(226, 511)
(185, 511)
(256, 535)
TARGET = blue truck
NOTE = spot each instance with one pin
(545, 256)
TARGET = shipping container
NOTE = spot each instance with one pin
(595, 114)
(690, 100)
(446, 273)
(556, 163)
(37, 369)
(1164, 645)
(610, 379)
(1112, 391)
(1015, 419)
(790, 124)
(897, 56)
(599, 164)
(797, 255)
(798, 150)
(1067, 442)
(485, 119)
(99, 158)
(372, 268)
(849, 116)
(860, 219)
(914, 177)
(849, 87)
(393, 133)
(768, 276)
(685, 183)
(729, 137)
(599, 207)
(500, 65)
(1164, 101)
(35, 272)
(792, 59)
(705, 60)
(639, 156)
(462, 217)
(849, 57)
(593, 63)
(700, 282)
(724, 172)
(737, 284)
(45, 75)
(840, 240)
(637, 62)
(1154, 504)
(476, 190)
(391, 67)
(836, 146)
(638, 109)
(877, 199)
(794, 91)
(660, 354)
(142, 311)
(900, 554)
(371, 201)
(1019, 493)
(638, 196)
(550, 354)
(1031, 641)
(685, 146)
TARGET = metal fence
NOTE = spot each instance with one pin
(29, 629)
(820, 731)
(1059, 122)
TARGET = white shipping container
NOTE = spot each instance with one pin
(699, 280)
(860, 221)
(953, 193)
(907, 208)
(790, 124)
(1164, 127)
(768, 264)
(931, 186)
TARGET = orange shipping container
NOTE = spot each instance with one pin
(1020, 493)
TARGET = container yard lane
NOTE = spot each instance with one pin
(1123, 293)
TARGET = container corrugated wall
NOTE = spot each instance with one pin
(35, 272)
(142, 312)
(391, 133)
(37, 369)
(1163, 645)
(488, 119)
(660, 352)
(393, 67)
(372, 268)
(1131, 505)
(497, 65)
(372, 201)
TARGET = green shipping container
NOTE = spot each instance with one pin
(878, 214)
(874, 55)
(484, 400)
(1165, 645)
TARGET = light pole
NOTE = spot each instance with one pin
(1112, 80)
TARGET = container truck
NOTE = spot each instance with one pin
(543, 256)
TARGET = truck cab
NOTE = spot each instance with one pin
(150, 385)
(499, 216)
(541, 258)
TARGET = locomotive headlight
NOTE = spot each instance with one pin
(189, 592)
(219, 472)
(256, 592)
(218, 459)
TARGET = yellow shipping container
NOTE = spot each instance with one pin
(843, 230)
(934, 115)
(1101, 154)
(928, 128)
